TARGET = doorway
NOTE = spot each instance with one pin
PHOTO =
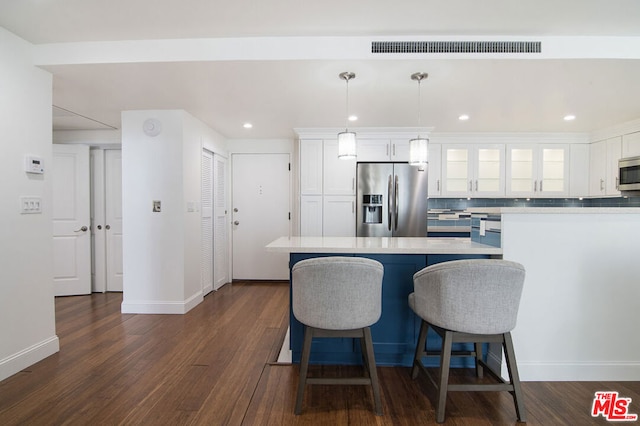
(261, 213)
(106, 220)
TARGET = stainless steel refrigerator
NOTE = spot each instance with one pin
(391, 200)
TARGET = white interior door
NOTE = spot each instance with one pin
(71, 221)
(206, 212)
(221, 224)
(113, 218)
(98, 245)
(261, 206)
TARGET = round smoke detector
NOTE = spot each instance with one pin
(152, 127)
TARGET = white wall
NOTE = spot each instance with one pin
(27, 317)
(161, 251)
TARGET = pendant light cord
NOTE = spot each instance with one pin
(419, 107)
(346, 124)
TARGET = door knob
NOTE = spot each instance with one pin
(83, 229)
(99, 227)
(236, 223)
(107, 227)
(235, 210)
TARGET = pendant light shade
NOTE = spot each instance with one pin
(418, 147)
(347, 145)
(418, 151)
(347, 139)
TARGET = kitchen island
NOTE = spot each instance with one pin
(580, 307)
(395, 334)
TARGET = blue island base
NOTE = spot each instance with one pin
(395, 335)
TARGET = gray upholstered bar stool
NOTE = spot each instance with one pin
(473, 301)
(338, 297)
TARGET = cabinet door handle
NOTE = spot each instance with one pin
(601, 184)
(476, 185)
(353, 207)
(387, 150)
(394, 149)
(438, 185)
(353, 184)
(535, 186)
(540, 186)
(470, 185)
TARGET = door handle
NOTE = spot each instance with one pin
(83, 229)
(99, 227)
(107, 227)
(389, 204)
(395, 208)
(236, 223)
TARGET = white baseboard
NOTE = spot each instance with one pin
(579, 371)
(29, 356)
(161, 307)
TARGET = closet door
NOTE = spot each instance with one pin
(221, 223)
(206, 204)
(113, 218)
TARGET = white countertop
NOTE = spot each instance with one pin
(555, 210)
(380, 245)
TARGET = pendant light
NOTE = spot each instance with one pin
(418, 146)
(347, 139)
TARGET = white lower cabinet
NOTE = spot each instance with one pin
(339, 216)
(311, 215)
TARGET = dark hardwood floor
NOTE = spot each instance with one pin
(215, 366)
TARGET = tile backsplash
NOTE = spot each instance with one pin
(463, 203)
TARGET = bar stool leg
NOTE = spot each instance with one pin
(518, 397)
(420, 348)
(445, 363)
(304, 367)
(373, 374)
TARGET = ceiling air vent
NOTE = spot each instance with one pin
(455, 47)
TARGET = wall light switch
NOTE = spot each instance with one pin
(30, 205)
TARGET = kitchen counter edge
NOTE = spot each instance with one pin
(380, 245)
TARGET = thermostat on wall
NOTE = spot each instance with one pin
(34, 165)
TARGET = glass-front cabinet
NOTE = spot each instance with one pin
(540, 170)
(473, 170)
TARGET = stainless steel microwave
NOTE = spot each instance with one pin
(629, 174)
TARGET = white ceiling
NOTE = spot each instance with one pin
(279, 95)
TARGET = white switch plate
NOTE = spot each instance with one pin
(30, 205)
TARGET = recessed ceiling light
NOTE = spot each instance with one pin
(247, 125)
(569, 117)
(463, 117)
(353, 118)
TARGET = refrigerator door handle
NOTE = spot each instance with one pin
(395, 208)
(389, 205)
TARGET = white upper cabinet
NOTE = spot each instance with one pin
(603, 167)
(311, 167)
(472, 170)
(631, 145)
(339, 174)
(539, 170)
(382, 150)
(579, 170)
